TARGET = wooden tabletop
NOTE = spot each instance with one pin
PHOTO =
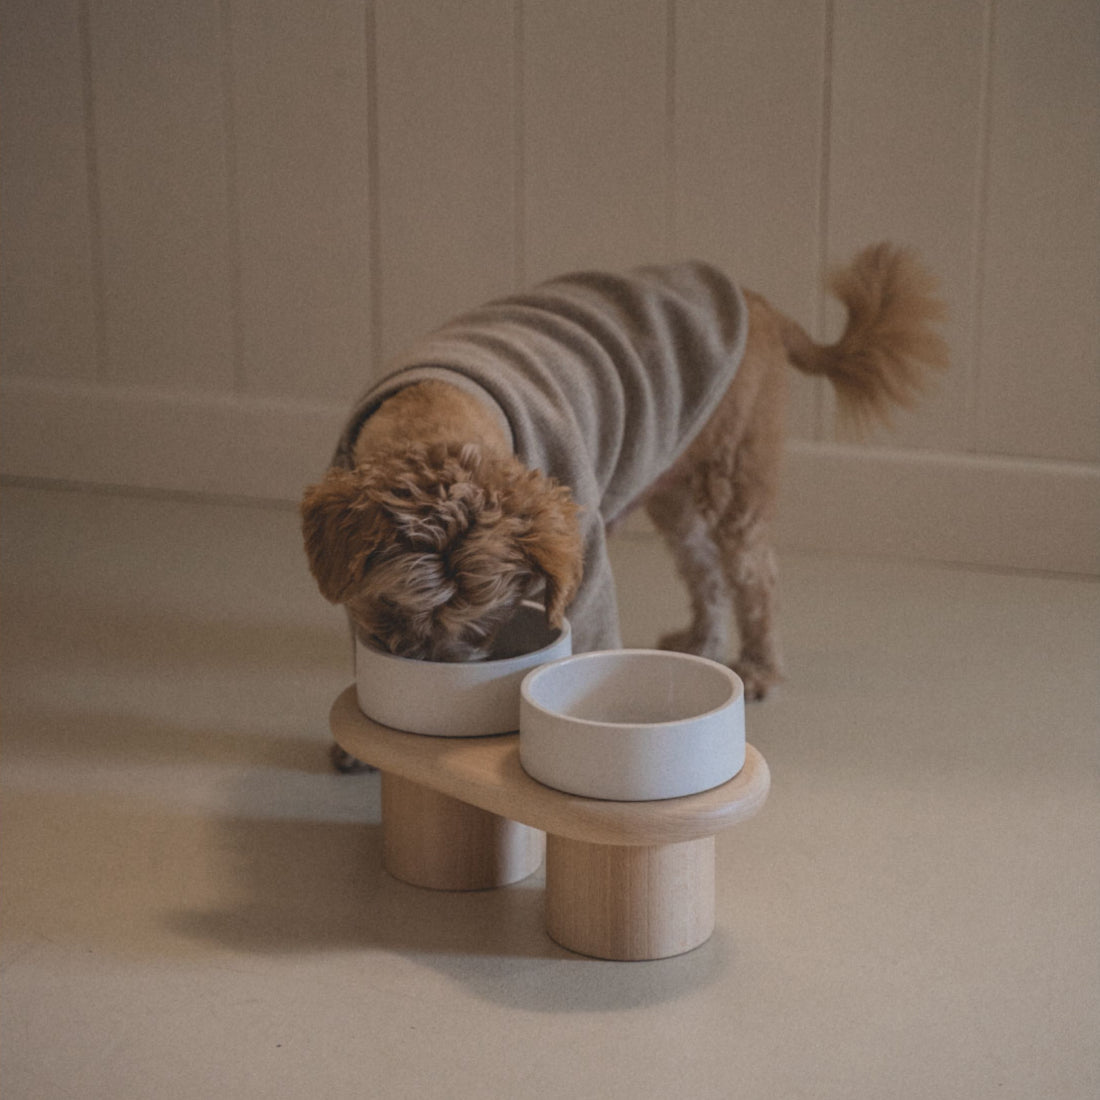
(486, 772)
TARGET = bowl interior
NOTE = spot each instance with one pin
(631, 687)
(526, 632)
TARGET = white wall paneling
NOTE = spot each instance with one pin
(905, 163)
(1038, 382)
(596, 134)
(152, 439)
(159, 117)
(218, 216)
(300, 142)
(975, 510)
(748, 111)
(48, 238)
(447, 158)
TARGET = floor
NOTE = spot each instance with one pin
(193, 906)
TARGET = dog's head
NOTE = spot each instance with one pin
(432, 547)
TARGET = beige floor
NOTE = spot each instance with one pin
(193, 906)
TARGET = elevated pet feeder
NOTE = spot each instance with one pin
(625, 878)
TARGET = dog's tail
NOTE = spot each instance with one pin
(888, 345)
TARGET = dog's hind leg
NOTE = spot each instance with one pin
(750, 568)
(672, 506)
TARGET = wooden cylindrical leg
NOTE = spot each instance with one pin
(432, 840)
(620, 902)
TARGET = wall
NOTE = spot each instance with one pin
(217, 216)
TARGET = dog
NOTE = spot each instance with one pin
(487, 466)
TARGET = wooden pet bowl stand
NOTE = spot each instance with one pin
(624, 880)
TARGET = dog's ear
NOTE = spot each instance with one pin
(342, 526)
(551, 541)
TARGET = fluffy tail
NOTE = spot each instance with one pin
(888, 345)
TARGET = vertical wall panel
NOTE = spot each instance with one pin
(300, 121)
(596, 134)
(1040, 367)
(47, 307)
(158, 86)
(747, 165)
(447, 159)
(906, 146)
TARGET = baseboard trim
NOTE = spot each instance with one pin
(194, 443)
(976, 510)
(988, 511)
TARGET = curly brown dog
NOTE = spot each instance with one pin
(439, 517)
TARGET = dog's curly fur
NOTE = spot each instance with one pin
(438, 531)
(431, 545)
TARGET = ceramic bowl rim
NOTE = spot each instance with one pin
(735, 683)
(496, 664)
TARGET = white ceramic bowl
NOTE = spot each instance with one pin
(632, 724)
(458, 699)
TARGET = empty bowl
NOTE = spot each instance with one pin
(458, 699)
(632, 725)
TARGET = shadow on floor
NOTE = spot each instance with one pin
(307, 887)
(302, 887)
(196, 842)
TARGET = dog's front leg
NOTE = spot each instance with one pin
(341, 759)
(345, 763)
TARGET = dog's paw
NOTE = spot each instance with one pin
(757, 677)
(345, 763)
